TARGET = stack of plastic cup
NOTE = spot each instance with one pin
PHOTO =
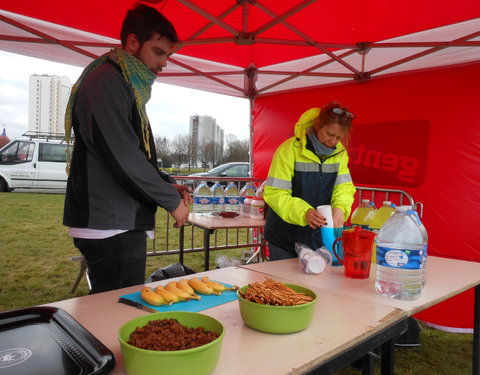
(328, 232)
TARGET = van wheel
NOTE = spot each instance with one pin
(3, 185)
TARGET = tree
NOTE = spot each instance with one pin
(206, 154)
(162, 146)
(236, 150)
(179, 147)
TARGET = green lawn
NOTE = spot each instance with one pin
(35, 253)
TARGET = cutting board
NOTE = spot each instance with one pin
(205, 302)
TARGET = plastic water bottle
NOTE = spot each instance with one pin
(232, 198)
(247, 191)
(361, 212)
(218, 197)
(202, 197)
(260, 190)
(375, 220)
(401, 255)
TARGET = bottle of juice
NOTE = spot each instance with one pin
(360, 214)
(377, 218)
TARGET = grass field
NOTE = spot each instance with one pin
(35, 268)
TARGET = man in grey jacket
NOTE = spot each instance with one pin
(114, 185)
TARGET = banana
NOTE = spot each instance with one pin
(218, 287)
(149, 296)
(200, 287)
(183, 284)
(167, 295)
(183, 295)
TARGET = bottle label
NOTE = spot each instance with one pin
(395, 258)
(217, 200)
(231, 200)
(201, 200)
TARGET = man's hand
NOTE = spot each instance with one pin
(315, 219)
(338, 217)
(180, 214)
(184, 192)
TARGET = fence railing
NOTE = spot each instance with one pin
(167, 240)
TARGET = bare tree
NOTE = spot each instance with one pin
(162, 146)
(206, 153)
(218, 154)
(191, 157)
(179, 147)
(236, 150)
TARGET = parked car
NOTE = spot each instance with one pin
(34, 160)
(232, 169)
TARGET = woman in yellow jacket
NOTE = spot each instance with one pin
(309, 170)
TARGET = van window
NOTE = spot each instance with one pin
(52, 152)
(17, 152)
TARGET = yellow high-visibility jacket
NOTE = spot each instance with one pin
(298, 180)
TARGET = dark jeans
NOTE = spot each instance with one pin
(277, 253)
(115, 262)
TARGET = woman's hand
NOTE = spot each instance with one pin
(338, 217)
(315, 219)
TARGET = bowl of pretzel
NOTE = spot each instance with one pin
(274, 307)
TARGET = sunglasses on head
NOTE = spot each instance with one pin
(340, 112)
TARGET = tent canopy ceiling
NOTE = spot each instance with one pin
(248, 48)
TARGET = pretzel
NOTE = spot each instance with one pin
(275, 293)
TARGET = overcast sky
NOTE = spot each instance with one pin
(169, 108)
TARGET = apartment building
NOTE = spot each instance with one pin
(47, 102)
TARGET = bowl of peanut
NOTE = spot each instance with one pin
(175, 342)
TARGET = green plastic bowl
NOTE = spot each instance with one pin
(277, 319)
(197, 361)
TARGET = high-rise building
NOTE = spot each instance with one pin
(204, 129)
(47, 102)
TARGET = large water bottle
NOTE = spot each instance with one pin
(361, 213)
(401, 255)
(218, 197)
(232, 198)
(202, 199)
(247, 191)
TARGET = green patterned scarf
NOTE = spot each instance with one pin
(135, 72)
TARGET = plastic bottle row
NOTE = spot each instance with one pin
(248, 201)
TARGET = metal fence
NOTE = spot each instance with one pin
(169, 242)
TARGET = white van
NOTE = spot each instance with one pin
(34, 160)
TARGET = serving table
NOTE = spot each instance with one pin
(344, 328)
(445, 278)
(210, 223)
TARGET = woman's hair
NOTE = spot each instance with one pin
(143, 21)
(336, 113)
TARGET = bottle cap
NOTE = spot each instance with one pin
(403, 208)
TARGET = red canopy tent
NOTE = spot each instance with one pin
(409, 70)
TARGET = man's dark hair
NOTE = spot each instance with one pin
(143, 21)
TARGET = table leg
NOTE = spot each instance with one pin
(387, 359)
(476, 333)
(206, 246)
(182, 244)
